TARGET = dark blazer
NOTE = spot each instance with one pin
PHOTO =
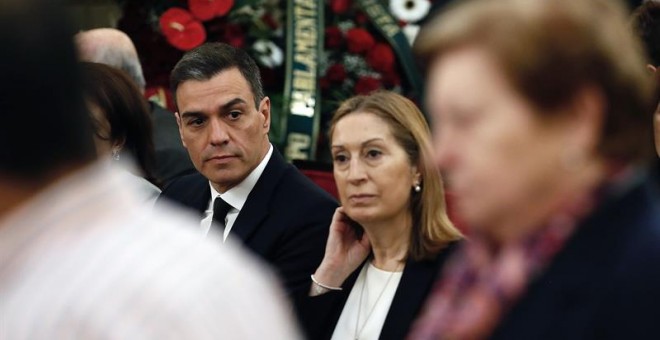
(285, 218)
(605, 283)
(172, 159)
(319, 314)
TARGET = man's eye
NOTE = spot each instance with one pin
(196, 121)
(234, 115)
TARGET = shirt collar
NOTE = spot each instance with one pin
(237, 195)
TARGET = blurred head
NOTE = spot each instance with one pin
(223, 115)
(111, 47)
(531, 99)
(45, 127)
(646, 22)
(380, 146)
(119, 114)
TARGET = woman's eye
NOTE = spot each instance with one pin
(374, 153)
(340, 158)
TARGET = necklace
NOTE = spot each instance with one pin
(358, 328)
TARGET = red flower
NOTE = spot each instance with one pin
(336, 73)
(208, 9)
(270, 21)
(391, 79)
(333, 37)
(340, 6)
(324, 83)
(366, 85)
(361, 18)
(381, 58)
(359, 40)
(181, 29)
(234, 35)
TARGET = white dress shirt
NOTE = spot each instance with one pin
(85, 259)
(235, 197)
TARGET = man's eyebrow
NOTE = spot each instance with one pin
(193, 114)
(232, 103)
(224, 107)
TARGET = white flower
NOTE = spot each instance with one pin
(410, 10)
(411, 31)
(268, 53)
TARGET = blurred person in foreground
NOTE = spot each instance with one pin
(122, 126)
(113, 47)
(391, 234)
(78, 258)
(542, 126)
(244, 184)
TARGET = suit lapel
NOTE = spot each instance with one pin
(415, 284)
(195, 193)
(257, 205)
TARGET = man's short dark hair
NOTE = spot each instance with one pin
(44, 125)
(206, 61)
(646, 21)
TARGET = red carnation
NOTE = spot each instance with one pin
(391, 79)
(340, 6)
(361, 18)
(181, 29)
(366, 85)
(336, 73)
(324, 83)
(208, 9)
(359, 40)
(381, 58)
(234, 35)
(333, 37)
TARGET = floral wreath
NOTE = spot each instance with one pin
(356, 58)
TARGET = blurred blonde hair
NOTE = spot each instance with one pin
(550, 51)
(431, 229)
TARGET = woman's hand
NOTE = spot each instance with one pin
(344, 252)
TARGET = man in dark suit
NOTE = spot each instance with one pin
(113, 47)
(244, 186)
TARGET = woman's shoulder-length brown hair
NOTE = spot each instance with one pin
(431, 228)
(552, 50)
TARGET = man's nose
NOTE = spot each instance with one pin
(218, 133)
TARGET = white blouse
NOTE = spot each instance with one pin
(367, 305)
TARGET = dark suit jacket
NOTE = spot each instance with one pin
(605, 283)
(285, 218)
(319, 314)
(172, 158)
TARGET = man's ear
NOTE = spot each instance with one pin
(651, 68)
(179, 123)
(264, 110)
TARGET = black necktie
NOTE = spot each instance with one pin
(220, 209)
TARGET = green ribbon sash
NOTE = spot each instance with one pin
(302, 98)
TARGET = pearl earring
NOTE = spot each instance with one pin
(418, 188)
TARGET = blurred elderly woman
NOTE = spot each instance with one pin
(542, 123)
(391, 233)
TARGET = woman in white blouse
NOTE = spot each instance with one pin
(391, 233)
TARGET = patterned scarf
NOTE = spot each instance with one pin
(480, 284)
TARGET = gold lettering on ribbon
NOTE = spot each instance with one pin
(381, 18)
(296, 144)
(303, 94)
